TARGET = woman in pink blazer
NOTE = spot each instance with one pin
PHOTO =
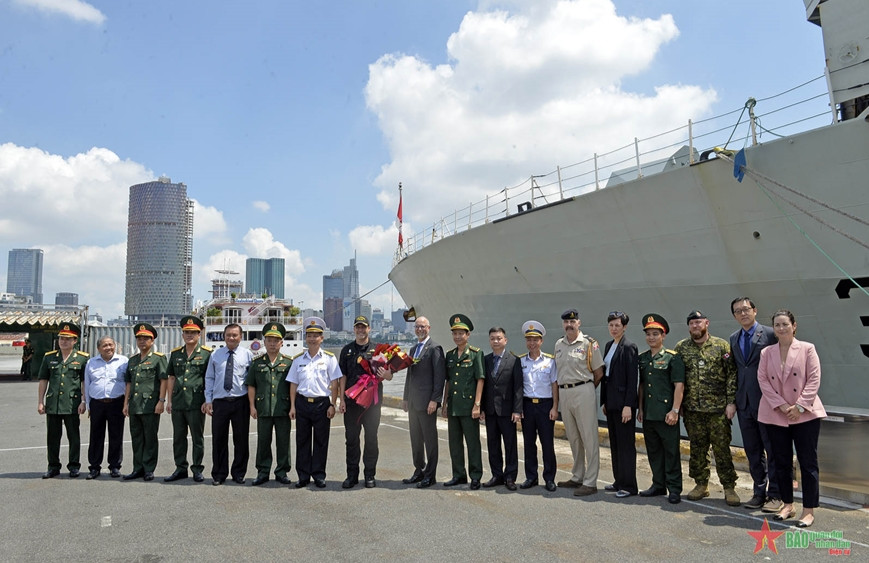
(789, 375)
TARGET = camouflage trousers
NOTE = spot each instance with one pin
(707, 429)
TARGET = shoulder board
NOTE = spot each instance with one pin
(80, 353)
(590, 339)
(297, 355)
(670, 351)
(328, 353)
(178, 349)
(206, 348)
(520, 355)
(512, 353)
(548, 355)
(474, 349)
(161, 354)
(258, 356)
(50, 353)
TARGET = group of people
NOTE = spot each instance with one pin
(763, 375)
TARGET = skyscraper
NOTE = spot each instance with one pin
(159, 252)
(333, 298)
(65, 298)
(265, 275)
(24, 276)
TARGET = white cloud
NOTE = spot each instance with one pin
(523, 92)
(375, 239)
(260, 243)
(85, 195)
(208, 222)
(261, 205)
(96, 273)
(75, 9)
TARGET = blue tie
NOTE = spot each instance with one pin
(227, 374)
(746, 345)
(417, 350)
(497, 363)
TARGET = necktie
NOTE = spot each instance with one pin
(227, 375)
(495, 366)
(417, 350)
(746, 345)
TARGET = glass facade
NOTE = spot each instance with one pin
(24, 274)
(265, 275)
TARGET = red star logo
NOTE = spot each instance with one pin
(765, 537)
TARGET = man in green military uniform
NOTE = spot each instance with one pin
(662, 377)
(462, 395)
(61, 375)
(709, 405)
(269, 394)
(146, 384)
(185, 397)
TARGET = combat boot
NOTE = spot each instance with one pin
(701, 490)
(731, 498)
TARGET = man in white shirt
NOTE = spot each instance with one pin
(104, 397)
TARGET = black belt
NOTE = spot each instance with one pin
(569, 385)
(231, 399)
(536, 400)
(112, 400)
(315, 399)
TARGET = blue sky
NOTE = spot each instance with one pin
(292, 122)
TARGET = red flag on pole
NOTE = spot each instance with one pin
(400, 237)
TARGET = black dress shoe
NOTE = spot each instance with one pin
(349, 483)
(370, 483)
(303, 483)
(239, 480)
(260, 480)
(510, 484)
(73, 473)
(134, 475)
(425, 483)
(653, 492)
(456, 481)
(178, 474)
(93, 474)
(148, 476)
(51, 473)
(550, 486)
(611, 488)
(115, 473)
(320, 483)
(494, 482)
(475, 484)
(217, 482)
(415, 478)
(284, 480)
(528, 483)
(674, 498)
(198, 477)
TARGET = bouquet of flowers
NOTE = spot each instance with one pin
(364, 391)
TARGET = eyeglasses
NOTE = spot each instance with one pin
(420, 326)
(742, 310)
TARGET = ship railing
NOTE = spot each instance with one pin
(798, 109)
(285, 320)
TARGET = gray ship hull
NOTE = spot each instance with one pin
(691, 237)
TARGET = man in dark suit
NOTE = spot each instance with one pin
(423, 390)
(745, 346)
(502, 409)
(618, 396)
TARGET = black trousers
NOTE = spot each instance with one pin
(55, 424)
(536, 423)
(623, 450)
(803, 438)
(498, 429)
(106, 415)
(424, 441)
(758, 450)
(355, 419)
(233, 412)
(312, 437)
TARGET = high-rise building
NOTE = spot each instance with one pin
(24, 275)
(159, 252)
(376, 320)
(65, 298)
(265, 275)
(333, 298)
(351, 282)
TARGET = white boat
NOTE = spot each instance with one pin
(252, 314)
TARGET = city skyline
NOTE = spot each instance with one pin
(24, 275)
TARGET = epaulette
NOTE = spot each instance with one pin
(258, 356)
(178, 349)
(521, 355)
(474, 349)
(670, 351)
(548, 355)
(207, 348)
(297, 355)
(328, 353)
(161, 354)
(50, 353)
(512, 353)
(80, 353)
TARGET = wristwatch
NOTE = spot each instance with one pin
(476, 404)
(162, 400)
(675, 410)
(801, 409)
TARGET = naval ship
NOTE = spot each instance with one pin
(784, 220)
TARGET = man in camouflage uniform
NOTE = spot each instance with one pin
(710, 404)
(463, 393)
(61, 374)
(185, 397)
(269, 394)
(662, 383)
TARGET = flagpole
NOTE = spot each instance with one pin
(400, 220)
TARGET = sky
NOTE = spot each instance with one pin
(292, 123)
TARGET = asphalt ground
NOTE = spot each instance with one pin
(110, 520)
